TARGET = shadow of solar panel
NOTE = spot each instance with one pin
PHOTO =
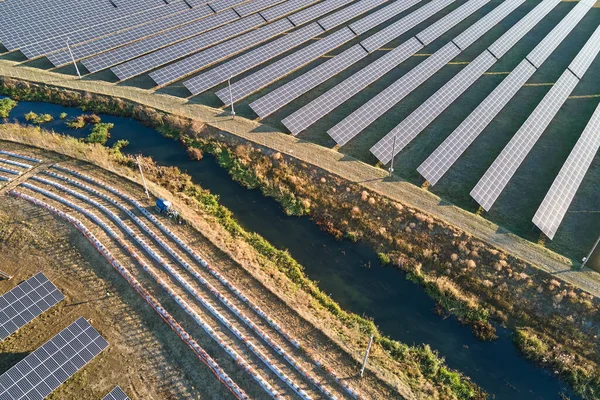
(49, 366)
(405, 24)
(116, 394)
(122, 38)
(25, 302)
(187, 38)
(224, 50)
(324, 104)
(286, 65)
(108, 27)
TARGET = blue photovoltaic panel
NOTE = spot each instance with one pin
(403, 25)
(307, 81)
(255, 6)
(25, 302)
(354, 123)
(188, 38)
(556, 202)
(286, 65)
(116, 394)
(327, 102)
(49, 366)
(224, 50)
(122, 38)
(249, 60)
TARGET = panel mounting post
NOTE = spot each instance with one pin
(139, 163)
(231, 98)
(391, 169)
(73, 59)
(364, 364)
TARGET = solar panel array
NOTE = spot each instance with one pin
(440, 161)
(127, 36)
(189, 37)
(552, 211)
(255, 6)
(114, 25)
(443, 25)
(251, 59)
(316, 109)
(452, 148)
(286, 65)
(116, 394)
(495, 179)
(380, 16)
(403, 25)
(314, 12)
(49, 366)
(223, 50)
(424, 115)
(281, 96)
(25, 302)
(445, 96)
(285, 8)
(346, 14)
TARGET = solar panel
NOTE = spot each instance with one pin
(15, 163)
(403, 25)
(285, 8)
(427, 112)
(10, 171)
(316, 11)
(322, 105)
(226, 49)
(520, 29)
(307, 81)
(78, 15)
(255, 6)
(251, 59)
(586, 55)
(443, 25)
(552, 211)
(478, 29)
(116, 394)
(380, 16)
(346, 14)
(26, 302)
(220, 5)
(127, 36)
(189, 37)
(495, 179)
(547, 46)
(113, 25)
(172, 53)
(354, 123)
(440, 161)
(15, 155)
(286, 65)
(49, 366)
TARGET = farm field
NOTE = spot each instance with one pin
(517, 204)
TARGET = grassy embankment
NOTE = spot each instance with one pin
(467, 277)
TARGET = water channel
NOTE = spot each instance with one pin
(349, 272)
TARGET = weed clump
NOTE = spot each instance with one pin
(6, 105)
(100, 133)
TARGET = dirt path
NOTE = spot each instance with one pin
(346, 167)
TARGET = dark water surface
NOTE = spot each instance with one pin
(349, 272)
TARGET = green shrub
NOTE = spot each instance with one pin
(384, 258)
(63, 115)
(31, 116)
(6, 105)
(100, 133)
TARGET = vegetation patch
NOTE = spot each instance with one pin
(82, 120)
(100, 133)
(6, 105)
(38, 119)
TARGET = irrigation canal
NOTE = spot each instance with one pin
(349, 272)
